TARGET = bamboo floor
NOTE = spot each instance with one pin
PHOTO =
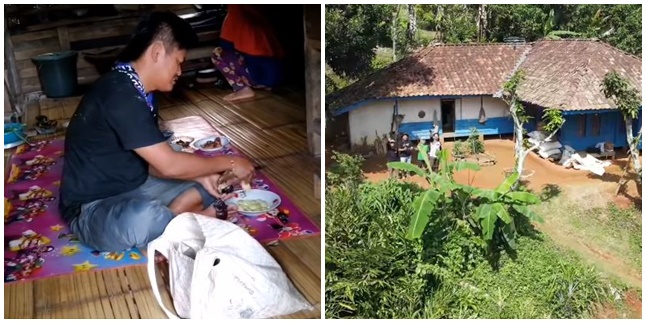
(271, 131)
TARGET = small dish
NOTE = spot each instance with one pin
(260, 201)
(199, 144)
(180, 143)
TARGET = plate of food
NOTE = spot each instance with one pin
(255, 202)
(212, 143)
(180, 143)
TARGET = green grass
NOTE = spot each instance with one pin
(585, 216)
(543, 282)
(372, 271)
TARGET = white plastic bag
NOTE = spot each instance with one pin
(218, 271)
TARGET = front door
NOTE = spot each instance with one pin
(448, 115)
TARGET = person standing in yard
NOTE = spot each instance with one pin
(405, 149)
(422, 150)
(122, 182)
(391, 156)
(405, 152)
(433, 154)
(250, 54)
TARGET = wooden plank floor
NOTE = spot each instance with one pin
(271, 131)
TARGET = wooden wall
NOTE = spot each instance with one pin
(31, 44)
(79, 35)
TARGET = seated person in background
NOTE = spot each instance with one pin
(250, 55)
(122, 182)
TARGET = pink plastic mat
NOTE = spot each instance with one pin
(38, 243)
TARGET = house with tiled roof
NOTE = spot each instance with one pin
(453, 88)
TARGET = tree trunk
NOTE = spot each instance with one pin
(519, 151)
(394, 31)
(482, 22)
(632, 146)
(438, 22)
(412, 23)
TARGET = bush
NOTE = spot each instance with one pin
(474, 144)
(345, 171)
(542, 283)
(370, 266)
(373, 271)
(459, 149)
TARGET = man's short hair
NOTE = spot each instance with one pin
(164, 26)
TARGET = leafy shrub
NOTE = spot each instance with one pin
(370, 266)
(373, 271)
(345, 171)
(542, 283)
(459, 149)
(492, 214)
(474, 144)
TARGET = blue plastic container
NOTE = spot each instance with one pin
(13, 133)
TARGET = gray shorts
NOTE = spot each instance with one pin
(134, 218)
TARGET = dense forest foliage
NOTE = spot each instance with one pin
(362, 38)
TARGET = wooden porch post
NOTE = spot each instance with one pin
(312, 27)
(12, 77)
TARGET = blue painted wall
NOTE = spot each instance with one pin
(610, 131)
(418, 130)
(493, 126)
(637, 124)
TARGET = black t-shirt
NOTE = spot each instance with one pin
(112, 119)
(405, 144)
(391, 153)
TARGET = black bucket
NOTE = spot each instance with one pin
(57, 73)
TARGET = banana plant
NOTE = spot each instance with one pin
(490, 212)
(497, 208)
(439, 196)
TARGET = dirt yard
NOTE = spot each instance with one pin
(569, 227)
(546, 174)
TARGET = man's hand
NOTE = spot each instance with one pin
(211, 184)
(243, 169)
(179, 165)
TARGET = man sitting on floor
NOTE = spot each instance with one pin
(122, 182)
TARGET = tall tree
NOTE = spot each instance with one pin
(520, 20)
(393, 29)
(456, 23)
(625, 24)
(553, 118)
(624, 95)
(352, 32)
(482, 22)
(412, 23)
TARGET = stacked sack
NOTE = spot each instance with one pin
(546, 149)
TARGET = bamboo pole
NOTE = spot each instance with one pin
(15, 88)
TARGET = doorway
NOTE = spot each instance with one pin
(447, 108)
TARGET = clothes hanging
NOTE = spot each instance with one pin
(483, 117)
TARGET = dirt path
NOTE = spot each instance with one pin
(604, 261)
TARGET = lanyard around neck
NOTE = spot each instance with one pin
(134, 77)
